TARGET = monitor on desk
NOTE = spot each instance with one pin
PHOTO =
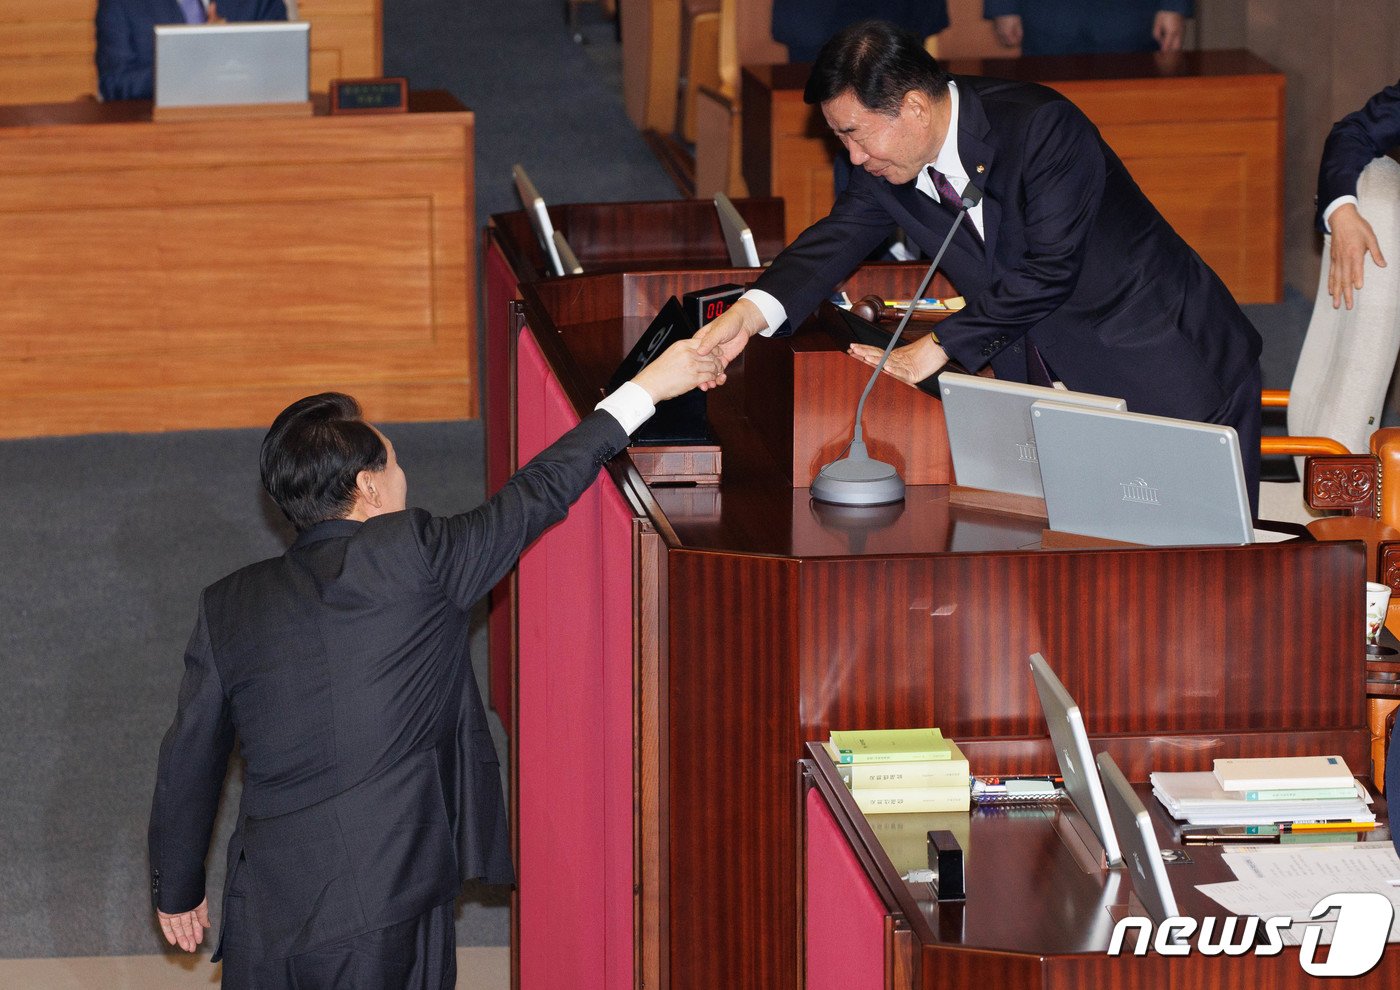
(738, 238)
(229, 64)
(1141, 479)
(1142, 854)
(1076, 759)
(990, 436)
(538, 213)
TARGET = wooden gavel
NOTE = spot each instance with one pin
(873, 309)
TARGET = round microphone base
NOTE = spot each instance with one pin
(858, 480)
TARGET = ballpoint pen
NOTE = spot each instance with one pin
(1338, 826)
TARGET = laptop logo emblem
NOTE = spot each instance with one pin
(1140, 491)
(1026, 452)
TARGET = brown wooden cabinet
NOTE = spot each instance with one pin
(719, 629)
(180, 275)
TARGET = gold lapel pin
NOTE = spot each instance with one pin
(981, 168)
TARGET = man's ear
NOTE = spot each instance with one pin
(916, 103)
(369, 492)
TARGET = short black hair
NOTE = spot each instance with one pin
(879, 63)
(313, 454)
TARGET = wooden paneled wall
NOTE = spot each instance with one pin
(47, 47)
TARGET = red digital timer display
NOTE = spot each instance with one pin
(704, 305)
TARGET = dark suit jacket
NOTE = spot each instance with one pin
(1076, 260)
(1074, 27)
(805, 25)
(126, 41)
(1354, 141)
(372, 788)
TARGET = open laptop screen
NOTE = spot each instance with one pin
(990, 434)
(1141, 479)
(223, 64)
(1072, 751)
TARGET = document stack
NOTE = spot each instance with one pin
(890, 771)
(1284, 791)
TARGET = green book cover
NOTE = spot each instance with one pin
(890, 745)
(917, 773)
(1300, 794)
(896, 800)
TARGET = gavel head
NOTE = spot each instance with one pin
(869, 308)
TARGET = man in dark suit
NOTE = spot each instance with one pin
(126, 40)
(1354, 141)
(372, 789)
(1069, 272)
(804, 25)
(1081, 27)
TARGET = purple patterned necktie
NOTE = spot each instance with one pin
(950, 196)
(194, 11)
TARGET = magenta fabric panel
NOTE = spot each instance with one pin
(500, 290)
(614, 731)
(845, 920)
(575, 715)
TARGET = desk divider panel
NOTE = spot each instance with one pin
(572, 751)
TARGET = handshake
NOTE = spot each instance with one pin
(680, 368)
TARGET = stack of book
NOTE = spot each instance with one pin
(901, 770)
(1302, 789)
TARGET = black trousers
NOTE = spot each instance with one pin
(417, 954)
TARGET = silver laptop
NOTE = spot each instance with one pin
(1076, 758)
(1141, 479)
(990, 434)
(567, 259)
(738, 238)
(1141, 852)
(219, 64)
(538, 213)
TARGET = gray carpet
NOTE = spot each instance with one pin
(108, 540)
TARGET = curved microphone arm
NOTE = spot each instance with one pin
(971, 197)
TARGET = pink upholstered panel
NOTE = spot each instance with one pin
(845, 919)
(496, 384)
(574, 719)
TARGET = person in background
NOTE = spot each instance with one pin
(126, 45)
(372, 789)
(1082, 27)
(804, 25)
(1354, 141)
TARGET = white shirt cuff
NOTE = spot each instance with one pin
(630, 405)
(1332, 208)
(772, 310)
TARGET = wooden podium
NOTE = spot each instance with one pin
(678, 647)
(1039, 913)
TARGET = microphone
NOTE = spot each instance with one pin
(857, 478)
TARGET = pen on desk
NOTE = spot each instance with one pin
(1337, 826)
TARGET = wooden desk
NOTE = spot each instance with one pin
(179, 275)
(678, 646)
(48, 47)
(1201, 133)
(1033, 917)
(606, 237)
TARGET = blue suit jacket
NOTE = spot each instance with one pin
(126, 41)
(805, 25)
(1074, 27)
(372, 788)
(1076, 260)
(1354, 141)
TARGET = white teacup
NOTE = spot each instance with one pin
(1377, 601)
